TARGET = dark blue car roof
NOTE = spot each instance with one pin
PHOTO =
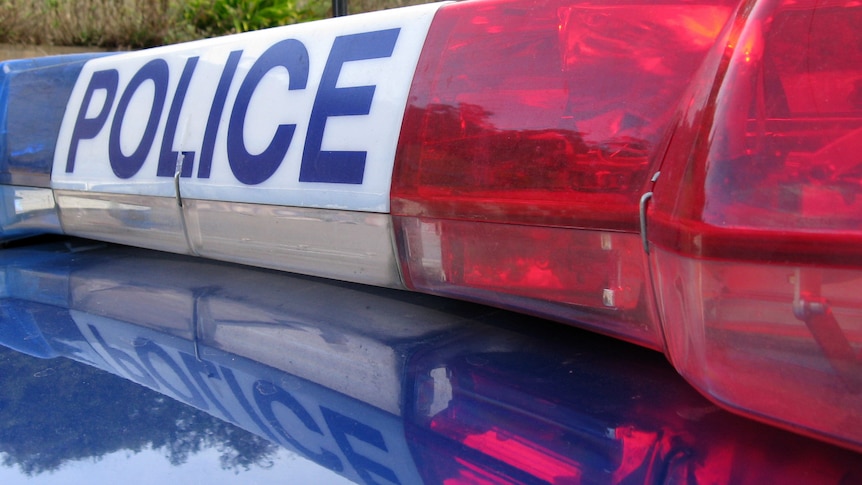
(120, 361)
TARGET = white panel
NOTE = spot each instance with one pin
(339, 85)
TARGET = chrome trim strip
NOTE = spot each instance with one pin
(342, 245)
(135, 220)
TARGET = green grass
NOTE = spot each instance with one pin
(147, 23)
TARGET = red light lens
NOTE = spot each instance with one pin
(757, 222)
(532, 130)
(750, 337)
(775, 172)
(517, 184)
(545, 112)
(592, 277)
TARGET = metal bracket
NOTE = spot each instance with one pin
(642, 207)
(179, 196)
(339, 8)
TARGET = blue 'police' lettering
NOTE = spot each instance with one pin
(127, 166)
(124, 361)
(167, 156)
(342, 167)
(199, 368)
(230, 379)
(145, 348)
(206, 161)
(316, 165)
(276, 394)
(254, 169)
(86, 128)
(341, 427)
(195, 377)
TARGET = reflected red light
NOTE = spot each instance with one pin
(470, 474)
(530, 457)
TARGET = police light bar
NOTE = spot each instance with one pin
(680, 175)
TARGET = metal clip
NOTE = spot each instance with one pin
(643, 205)
(642, 212)
(181, 157)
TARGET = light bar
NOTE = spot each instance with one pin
(680, 175)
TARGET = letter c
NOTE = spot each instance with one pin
(254, 169)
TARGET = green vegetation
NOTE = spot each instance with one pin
(217, 17)
(147, 23)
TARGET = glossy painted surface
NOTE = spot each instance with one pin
(379, 386)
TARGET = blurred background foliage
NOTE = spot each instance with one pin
(219, 17)
(133, 24)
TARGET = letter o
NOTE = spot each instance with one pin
(127, 166)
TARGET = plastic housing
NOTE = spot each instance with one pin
(756, 221)
(532, 130)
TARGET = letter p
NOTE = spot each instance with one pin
(86, 128)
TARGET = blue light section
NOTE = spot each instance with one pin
(33, 97)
